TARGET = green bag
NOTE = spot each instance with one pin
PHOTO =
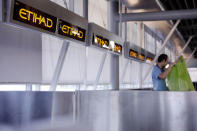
(179, 79)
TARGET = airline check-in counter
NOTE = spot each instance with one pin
(98, 110)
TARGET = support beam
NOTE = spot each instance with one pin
(100, 70)
(160, 15)
(59, 65)
(186, 45)
(124, 72)
(162, 47)
(188, 60)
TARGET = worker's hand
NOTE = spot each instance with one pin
(174, 63)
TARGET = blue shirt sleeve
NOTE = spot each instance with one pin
(156, 72)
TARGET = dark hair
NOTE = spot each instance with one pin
(162, 57)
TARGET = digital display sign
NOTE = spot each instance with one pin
(133, 53)
(136, 55)
(72, 31)
(43, 19)
(118, 48)
(102, 42)
(149, 59)
(141, 57)
(34, 17)
(107, 44)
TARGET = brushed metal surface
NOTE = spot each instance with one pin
(138, 110)
(21, 108)
(104, 110)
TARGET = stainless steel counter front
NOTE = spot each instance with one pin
(138, 110)
(104, 110)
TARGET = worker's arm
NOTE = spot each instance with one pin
(164, 74)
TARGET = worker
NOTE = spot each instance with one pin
(159, 73)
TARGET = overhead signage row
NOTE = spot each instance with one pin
(70, 26)
(43, 19)
(139, 54)
(31, 16)
(23, 14)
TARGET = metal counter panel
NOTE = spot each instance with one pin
(138, 110)
(104, 110)
(21, 108)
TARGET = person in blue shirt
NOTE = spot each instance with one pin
(159, 73)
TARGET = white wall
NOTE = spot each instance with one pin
(20, 55)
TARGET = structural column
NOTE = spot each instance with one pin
(85, 9)
(85, 15)
(114, 60)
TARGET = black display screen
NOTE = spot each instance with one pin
(101, 42)
(34, 17)
(136, 55)
(149, 59)
(141, 57)
(72, 31)
(133, 54)
(118, 48)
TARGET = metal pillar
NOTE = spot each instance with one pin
(162, 47)
(187, 43)
(139, 31)
(85, 9)
(59, 65)
(85, 15)
(127, 63)
(114, 60)
(188, 60)
(125, 38)
(1, 10)
(120, 18)
(100, 70)
(160, 15)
